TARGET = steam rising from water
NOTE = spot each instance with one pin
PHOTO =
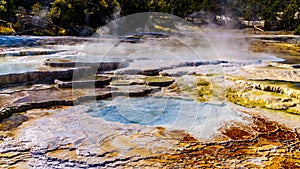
(186, 41)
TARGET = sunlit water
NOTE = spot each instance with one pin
(200, 119)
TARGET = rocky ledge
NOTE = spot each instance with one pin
(43, 76)
(100, 66)
(265, 94)
(49, 95)
(286, 73)
(99, 81)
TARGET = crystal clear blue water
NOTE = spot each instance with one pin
(145, 110)
(203, 120)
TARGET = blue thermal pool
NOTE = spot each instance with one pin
(200, 119)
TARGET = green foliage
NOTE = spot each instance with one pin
(297, 31)
(36, 9)
(7, 10)
(289, 14)
(100, 12)
(79, 12)
(2, 7)
(94, 13)
(68, 12)
(10, 13)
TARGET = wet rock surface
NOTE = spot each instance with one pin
(51, 118)
(72, 139)
(83, 142)
(49, 95)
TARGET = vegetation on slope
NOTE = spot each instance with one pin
(74, 16)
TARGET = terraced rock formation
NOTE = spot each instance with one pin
(273, 73)
(81, 114)
(276, 95)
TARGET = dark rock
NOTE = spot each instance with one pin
(150, 72)
(131, 40)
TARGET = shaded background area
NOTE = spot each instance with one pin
(83, 17)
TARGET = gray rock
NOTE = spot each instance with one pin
(100, 66)
(83, 83)
(270, 73)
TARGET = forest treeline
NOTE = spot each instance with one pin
(53, 17)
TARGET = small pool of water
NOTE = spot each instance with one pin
(13, 41)
(145, 111)
(12, 64)
(200, 119)
(9, 68)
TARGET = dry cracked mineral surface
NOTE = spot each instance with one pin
(218, 99)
